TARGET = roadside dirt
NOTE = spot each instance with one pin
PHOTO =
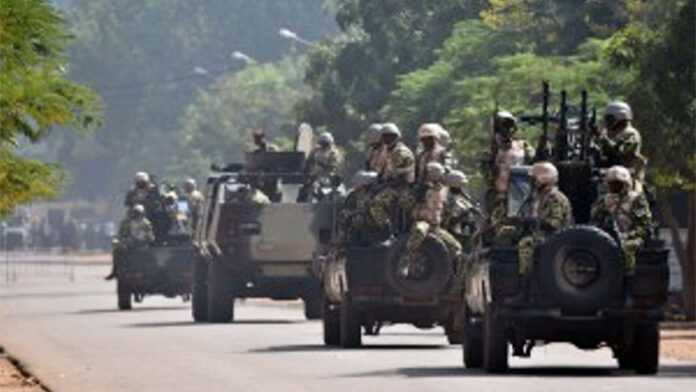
(679, 344)
(12, 380)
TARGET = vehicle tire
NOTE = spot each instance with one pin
(331, 324)
(220, 300)
(645, 353)
(350, 324)
(472, 345)
(199, 303)
(313, 307)
(581, 269)
(495, 344)
(436, 279)
(124, 295)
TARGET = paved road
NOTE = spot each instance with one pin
(63, 325)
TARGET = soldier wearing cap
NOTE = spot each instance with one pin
(428, 218)
(397, 175)
(432, 151)
(550, 212)
(620, 143)
(625, 213)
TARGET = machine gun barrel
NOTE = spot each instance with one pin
(584, 129)
(561, 145)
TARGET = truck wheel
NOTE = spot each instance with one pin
(495, 345)
(220, 302)
(350, 324)
(313, 307)
(199, 304)
(332, 324)
(472, 347)
(124, 295)
(645, 353)
(435, 255)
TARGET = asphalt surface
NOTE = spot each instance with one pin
(61, 322)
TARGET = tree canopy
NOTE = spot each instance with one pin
(35, 97)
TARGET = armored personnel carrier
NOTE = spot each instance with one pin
(247, 249)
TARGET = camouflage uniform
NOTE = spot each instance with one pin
(135, 233)
(553, 211)
(435, 154)
(195, 201)
(324, 162)
(629, 214)
(624, 148)
(376, 158)
(353, 218)
(428, 218)
(398, 173)
(142, 196)
(458, 218)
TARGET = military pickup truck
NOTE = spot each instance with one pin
(246, 250)
(363, 288)
(163, 268)
(577, 288)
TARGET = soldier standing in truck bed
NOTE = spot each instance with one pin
(620, 143)
(432, 151)
(625, 213)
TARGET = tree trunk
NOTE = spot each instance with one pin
(690, 278)
(682, 253)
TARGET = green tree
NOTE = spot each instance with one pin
(35, 97)
(149, 59)
(658, 50)
(218, 125)
(353, 75)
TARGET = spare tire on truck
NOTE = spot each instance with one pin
(581, 268)
(434, 280)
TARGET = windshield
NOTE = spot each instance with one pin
(519, 190)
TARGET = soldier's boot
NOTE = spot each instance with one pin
(112, 274)
(628, 291)
(522, 298)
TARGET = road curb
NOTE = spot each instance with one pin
(16, 373)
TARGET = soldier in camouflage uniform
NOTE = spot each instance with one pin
(626, 213)
(325, 160)
(460, 214)
(446, 142)
(508, 151)
(135, 232)
(375, 153)
(353, 219)
(428, 218)
(143, 191)
(550, 212)
(429, 136)
(621, 143)
(195, 201)
(396, 177)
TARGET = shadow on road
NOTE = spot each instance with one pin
(322, 348)
(56, 295)
(668, 371)
(135, 309)
(188, 323)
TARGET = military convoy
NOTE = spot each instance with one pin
(266, 232)
(254, 250)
